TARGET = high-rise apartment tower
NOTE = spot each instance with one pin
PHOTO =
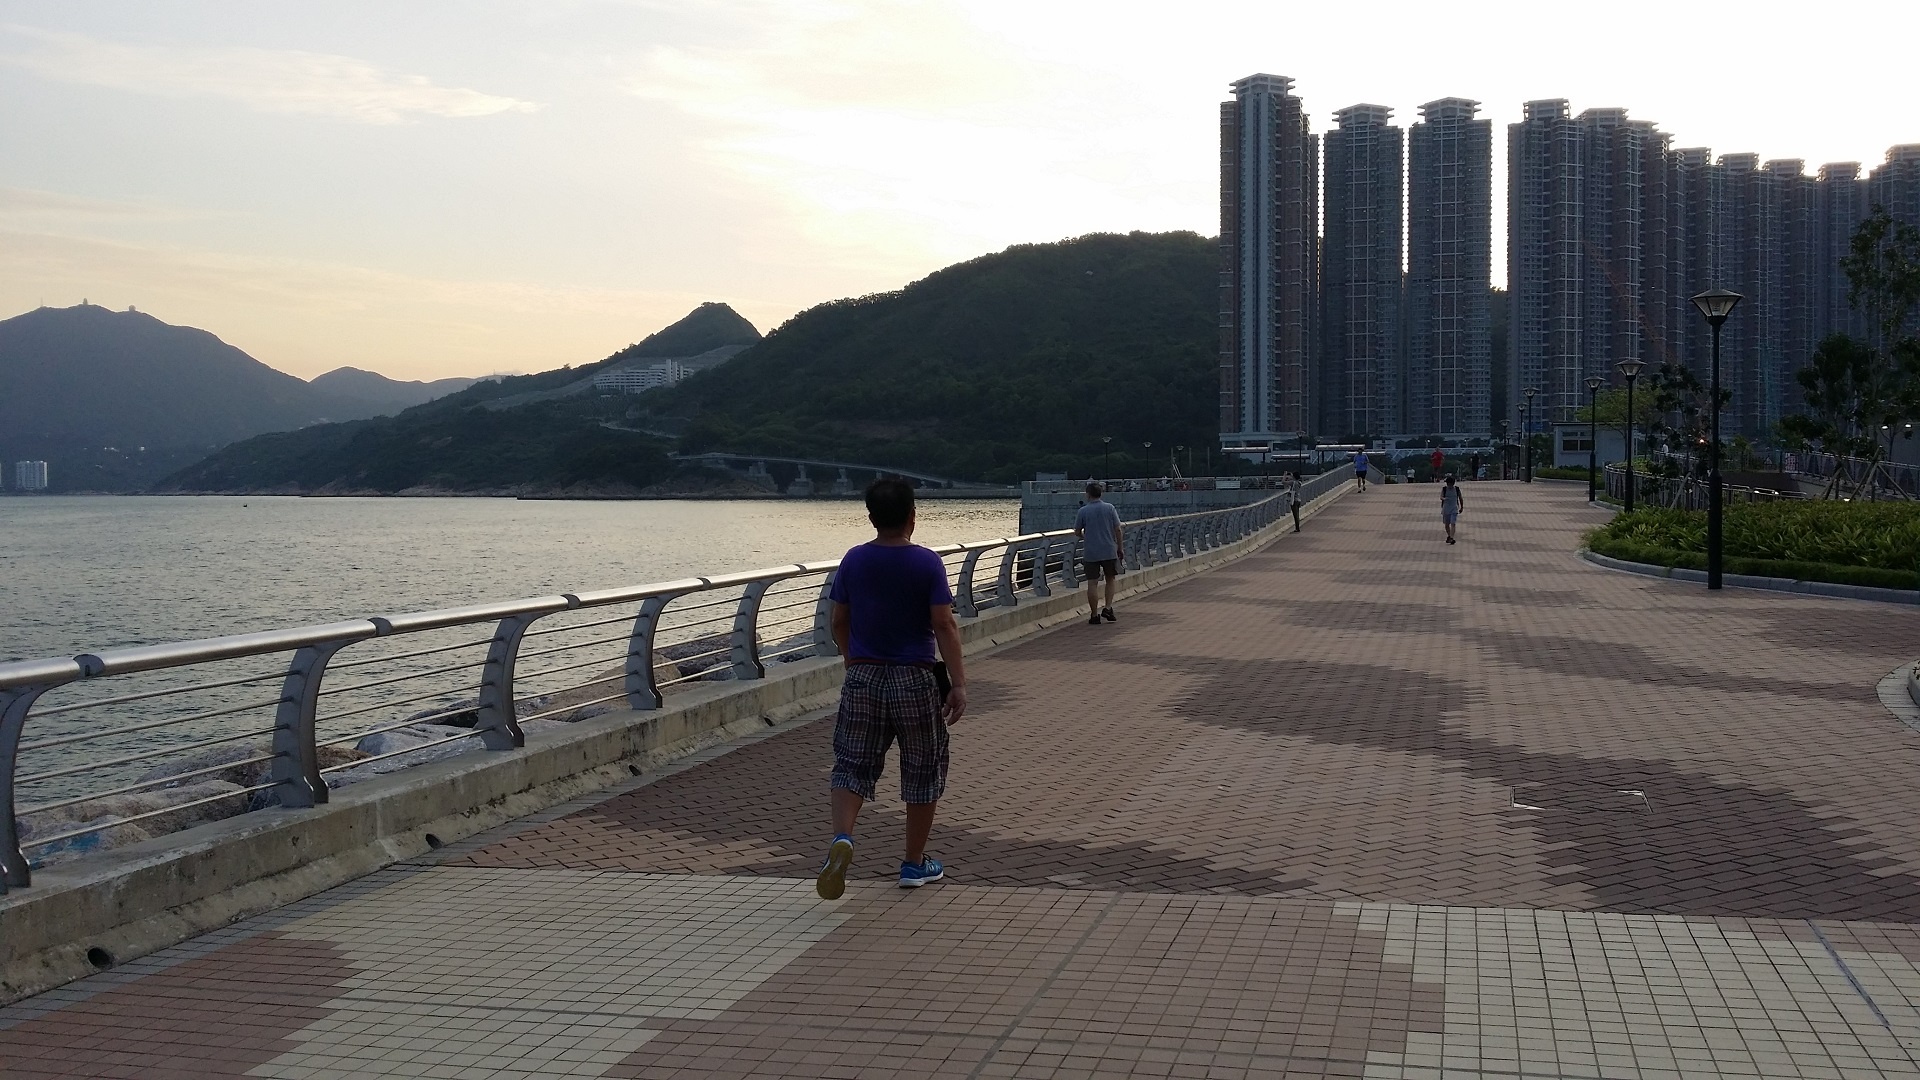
(1269, 261)
(1449, 260)
(1362, 371)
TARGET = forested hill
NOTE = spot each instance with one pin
(478, 441)
(987, 370)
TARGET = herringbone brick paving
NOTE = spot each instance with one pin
(1359, 805)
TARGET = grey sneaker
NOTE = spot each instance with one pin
(1107, 614)
(833, 873)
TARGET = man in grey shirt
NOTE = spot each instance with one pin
(1098, 527)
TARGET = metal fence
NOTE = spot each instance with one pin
(1683, 492)
(111, 747)
(1163, 483)
(1883, 480)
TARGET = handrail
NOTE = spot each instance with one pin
(1683, 492)
(719, 639)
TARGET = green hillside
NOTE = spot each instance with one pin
(458, 444)
(988, 370)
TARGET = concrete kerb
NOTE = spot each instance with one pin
(126, 903)
(1749, 581)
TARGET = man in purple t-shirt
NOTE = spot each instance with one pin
(891, 608)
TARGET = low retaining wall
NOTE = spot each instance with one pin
(1749, 581)
(95, 912)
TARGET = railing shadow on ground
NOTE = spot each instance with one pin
(109, 748)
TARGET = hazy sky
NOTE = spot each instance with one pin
(441, 188)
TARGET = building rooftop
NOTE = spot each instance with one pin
(1278, 84)
(1363, 114)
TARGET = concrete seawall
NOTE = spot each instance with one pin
(96, 912)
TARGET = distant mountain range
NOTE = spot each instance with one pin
(988, 370)
(380, 395)
(114, 400)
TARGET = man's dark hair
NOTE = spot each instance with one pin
(1093, 490)
(889, 502)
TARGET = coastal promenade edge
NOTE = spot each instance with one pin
(87, 915)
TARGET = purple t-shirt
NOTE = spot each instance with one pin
(891, 591)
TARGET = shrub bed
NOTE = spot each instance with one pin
(1555, 472)
(1849, 543)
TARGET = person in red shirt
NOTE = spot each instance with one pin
(1439, 463)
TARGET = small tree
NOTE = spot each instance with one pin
(1856, 390)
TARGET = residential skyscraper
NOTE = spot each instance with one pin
(1269, 262)
(1449, 266)
(1840, 206)
(1546, 263)
(1362, 366)
(1895, 185)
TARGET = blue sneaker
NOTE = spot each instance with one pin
(912, 876)
(833, 873)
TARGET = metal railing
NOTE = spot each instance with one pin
(1163, 483)
(1683, 492)
(1882, 479)
(159, 737)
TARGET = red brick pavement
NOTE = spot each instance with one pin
(1362, 712)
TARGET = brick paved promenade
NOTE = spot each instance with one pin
(1361, 805)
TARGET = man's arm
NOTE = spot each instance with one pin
(946, 634)
(842, 625)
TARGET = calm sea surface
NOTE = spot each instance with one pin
(80, 574)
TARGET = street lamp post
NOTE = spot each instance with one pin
(1594, 383)
(1630, 369)
(1146, 456)
(1526, 434)
(1106, 457)
(1716, 305)
(1506, 443)
(1175, 458)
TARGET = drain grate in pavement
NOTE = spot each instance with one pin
(1580, 799)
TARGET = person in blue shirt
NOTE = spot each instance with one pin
(1360, 469)
(892, 608)
(1102, 547)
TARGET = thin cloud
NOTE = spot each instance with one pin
(266, 80)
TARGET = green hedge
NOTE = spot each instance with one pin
(1850, 543)
(1555, 472)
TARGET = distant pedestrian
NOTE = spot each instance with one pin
(1292, 483)
(1102, 546)
(1360, 469)
(1473, 467)
(1450, 504)
(1439, 462)
(891, 608)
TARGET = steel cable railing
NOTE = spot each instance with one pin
(92, 774)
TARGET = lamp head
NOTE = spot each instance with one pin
(1630, 368)
(1530, 391)
(1717, 304)
(1594, 383)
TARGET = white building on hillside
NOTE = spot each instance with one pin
(639, 380)
(30, 475)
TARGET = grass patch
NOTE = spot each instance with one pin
(1848, 543)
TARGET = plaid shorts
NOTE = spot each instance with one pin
(879, 703)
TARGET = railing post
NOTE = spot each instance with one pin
(1069, 569)
(743, 648)
(1042, 552)
(823, 643)
(14, 705)
(643, 689)
(964, 602)
(296, 763)
(1003, 593)
(498, 727)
